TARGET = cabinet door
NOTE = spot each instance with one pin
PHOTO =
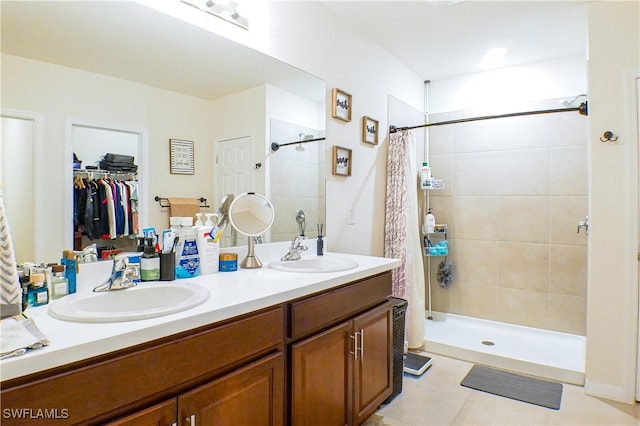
(373, 378)
(252, 395)
(163, 414)
(321, 378)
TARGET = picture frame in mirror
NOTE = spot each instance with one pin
(341, 104)
(341, 161)
(369, 130)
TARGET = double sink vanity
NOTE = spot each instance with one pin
(303, 342)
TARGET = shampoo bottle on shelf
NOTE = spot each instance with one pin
(425, 176)
(429, 222)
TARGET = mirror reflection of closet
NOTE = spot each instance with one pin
(20, 170)
(90, 141)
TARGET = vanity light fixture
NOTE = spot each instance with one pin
(225, 9)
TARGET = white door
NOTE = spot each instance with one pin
(233, 175)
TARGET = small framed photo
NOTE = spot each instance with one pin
(341, 105)
(369, 130)
(341, 161)
(181, 157)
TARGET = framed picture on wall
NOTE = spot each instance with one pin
(181, 157)
(341, 105)
(341, 161)
(369, 130)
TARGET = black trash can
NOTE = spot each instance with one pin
(399, 315)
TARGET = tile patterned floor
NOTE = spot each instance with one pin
(436, 398)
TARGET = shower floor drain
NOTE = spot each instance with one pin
(488, 343)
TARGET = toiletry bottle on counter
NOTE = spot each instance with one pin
(70, 268)
(187, 257)
(429, 222)
(425, 176)
(59, 283)
(150, 262)
(208, 249)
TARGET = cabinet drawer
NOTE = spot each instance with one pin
(317, 312)
(121, 381)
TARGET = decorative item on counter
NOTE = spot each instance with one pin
(59, 283)
(320, 243)
(228, 262)
(38, 291)
(70, 268)
(150, 262)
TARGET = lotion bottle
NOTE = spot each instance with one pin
(208, 249)
(429, 222)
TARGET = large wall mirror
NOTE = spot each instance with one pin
(124, 62)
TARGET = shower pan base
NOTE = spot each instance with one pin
(537, 352)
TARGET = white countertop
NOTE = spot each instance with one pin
(231, 294)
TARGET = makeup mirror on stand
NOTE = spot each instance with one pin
(251, 214)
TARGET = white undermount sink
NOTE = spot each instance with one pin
(324, 263)
(146, 300)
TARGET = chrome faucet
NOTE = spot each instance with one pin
(295, 248)
(123, 275)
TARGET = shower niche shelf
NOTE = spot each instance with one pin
(435, 243)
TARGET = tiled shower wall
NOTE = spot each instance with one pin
(515, 190)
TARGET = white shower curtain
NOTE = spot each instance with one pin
(402, 232)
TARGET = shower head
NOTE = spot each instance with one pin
(566, 102)
(304, 136)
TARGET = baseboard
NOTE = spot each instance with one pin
(614, 393)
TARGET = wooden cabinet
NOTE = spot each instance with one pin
(129, 381)
(252, 395)
(341, 375)
(322, 359)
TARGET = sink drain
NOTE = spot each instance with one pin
(488, 343)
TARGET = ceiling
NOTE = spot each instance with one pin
(127, 40)
(134, 42)
(444, 38)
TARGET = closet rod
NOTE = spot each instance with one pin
(582, 110)
(276, 146)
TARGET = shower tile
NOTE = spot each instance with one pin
(524, 266)
(566, 212)
(475, 261)
(442, 209)
(567, 314)
(568, 270)
(569, 170)
(568, 129)
(525, 172)
(522, 132)
(476, 217)
(480, 300)
(523, 307)
(524, 219)
(476, 174)
(441, 140)
(475, 137)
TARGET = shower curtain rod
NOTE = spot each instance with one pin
(582, 110)
(276, 146)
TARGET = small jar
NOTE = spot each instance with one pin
(228, 262)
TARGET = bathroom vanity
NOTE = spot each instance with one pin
(268, 347)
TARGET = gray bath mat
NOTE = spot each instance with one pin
(515, 386)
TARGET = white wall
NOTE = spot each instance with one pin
(612, 298)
